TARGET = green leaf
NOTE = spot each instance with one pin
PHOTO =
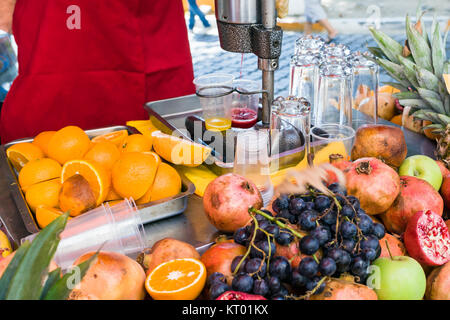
(436, 104)
(377, 52)
(406, 95)
(437, 52)
(418, 103)
(425, 93)
(395, 71)
(396, 85)
(62, 289)
(27, 282)
(426, 79)
(388, 46)
(11, 269)
(409, 71)
(419, 47)
(53, 277)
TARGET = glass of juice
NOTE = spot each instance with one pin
(244, 109)
(214, 91)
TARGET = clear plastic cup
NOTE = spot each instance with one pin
(118, 228)
(244, 110)
(332, 138)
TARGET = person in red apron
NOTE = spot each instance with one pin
(94, 63)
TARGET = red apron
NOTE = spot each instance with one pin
(124, 53)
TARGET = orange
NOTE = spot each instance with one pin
(179, 151)
(112, 195)
(105, 153)
(133, 174)
(447, 81)
(98, 177)
(116, 137)
(45, 215)
(179, 279)
(429, 132)
(397, 119)
(38, 170)
(76, 196)
(42, 140)
(136, 143)
(167, 184)
(69, 143)
(19, 154)
(43, 193)
(388, 89)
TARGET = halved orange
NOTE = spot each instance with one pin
(98, 177)
(38, 170)
(179, 151)
(116, 137)
(179, 279)
(19, 154)
(45, 215)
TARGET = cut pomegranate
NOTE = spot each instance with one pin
(427, 238)
(237, 295)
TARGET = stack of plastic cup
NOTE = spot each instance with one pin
(118, 229)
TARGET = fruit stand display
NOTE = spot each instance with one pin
(369, 225)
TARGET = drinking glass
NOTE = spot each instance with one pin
(214, 91)
(331, 139)
(244, 109)
(304, 78)
(365, 82)
(309, 44)
(252, 160)
(334, 97)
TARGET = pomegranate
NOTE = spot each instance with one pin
(374, 183)
(165, 250)
(427, 239)
(415, 195)
(445, 190)
(227, 199)
(337, 160)
(443, 168)
(218, 258)
(343, 289)
(438, 283)
(237, 295)
(395, 245)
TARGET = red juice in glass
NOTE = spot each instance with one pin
(243, 117)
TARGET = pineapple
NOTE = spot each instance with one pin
(27, 276)
(419, 68)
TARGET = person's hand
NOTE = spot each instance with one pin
(6, 14)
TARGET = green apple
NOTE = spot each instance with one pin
(397, 278)
(424, 168)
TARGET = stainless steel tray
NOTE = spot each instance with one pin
(150, 212)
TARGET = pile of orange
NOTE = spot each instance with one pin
(66, 170)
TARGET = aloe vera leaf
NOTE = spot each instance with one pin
(396, 85)
(388, 46)
(437, 52)
(408, 70)
(53, 277)
(11, 269)
(27, 282)
(395, 71)
(420, 50)
(418, 103)
(406, 95)
(61, 289)
(426, 79)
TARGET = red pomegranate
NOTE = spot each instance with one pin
(237, 295)
(374, 183)
(227, 199)
(427, 239)
(218, 258)
(438, 283)
(396, 247)
(445, 190)
(415, 195)
(443, 168)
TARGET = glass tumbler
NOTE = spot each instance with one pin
(331, 140)
(244, 109)
(214, 91)
(334, 97)
(309, 44)
(365, 83)
(252, 160)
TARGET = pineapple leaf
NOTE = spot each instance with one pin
(447, 104)
(396, 85)
(409, 71)
(11, 269)
(377, 52)
(437, 51)
(425, 93)
(420, 50)
(390, 48)
(395, 71)
(27, 281)
(61, 288)
(426, 79)
(53, 277)
(436, 104)
(417, 103)
(406, 95)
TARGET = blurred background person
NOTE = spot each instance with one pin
(194, 11)
(315, 13)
